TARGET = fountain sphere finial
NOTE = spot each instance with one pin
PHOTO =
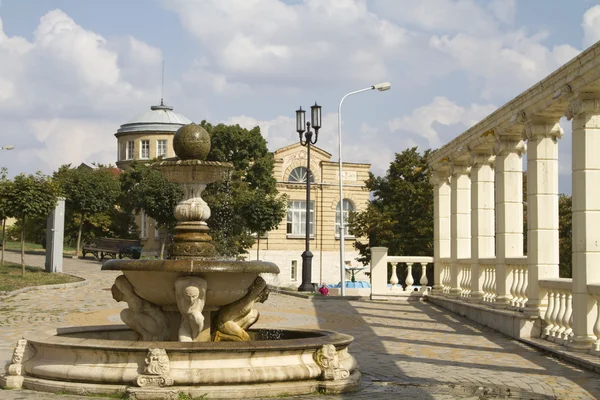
(191, 142)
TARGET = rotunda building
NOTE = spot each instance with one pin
(149, 135)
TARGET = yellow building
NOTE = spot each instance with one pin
(148, 136)
(285, 244)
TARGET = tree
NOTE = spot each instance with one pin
(31, 196)
(248, 202)
(4, 189)
(146, 188)
(400, 215)
(565, 231)
(90, 194)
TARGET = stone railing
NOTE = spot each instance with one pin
(517, 267)
(381, 286)
(488, 269)
(594, 292)
(559, 312)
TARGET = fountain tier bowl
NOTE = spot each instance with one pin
(154, 280)
(107, 360)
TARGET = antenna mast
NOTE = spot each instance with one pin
(162, 83)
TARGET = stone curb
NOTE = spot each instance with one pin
(583, 360)
(83, 282)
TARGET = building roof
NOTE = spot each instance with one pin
(160, 118)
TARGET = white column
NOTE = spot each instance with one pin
(585, 112)
(542, 209)
(460, 222)
(509, 209)
(482, 218)
(441, 224)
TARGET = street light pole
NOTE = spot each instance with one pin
(315, 113)
(381, 87)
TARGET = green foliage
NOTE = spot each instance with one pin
(400, 215)
(565, 231)
(247, 202)
(30, 197)
(146, 188)
(90, 195)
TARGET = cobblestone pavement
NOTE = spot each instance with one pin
(405, 350)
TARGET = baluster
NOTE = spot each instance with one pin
(560, 316)
(596, 346)
(513, 287)
(524, 288)
(461, 282)
(494, 292)
(409, 278)
(520, 297)
(486, 284)
(469, 281)
(394, 278)
(548, 315)
(446, 278)
(423, 281)
(567, 317)
(554, 316)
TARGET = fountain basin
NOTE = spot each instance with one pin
(154, 280)
(108, 360)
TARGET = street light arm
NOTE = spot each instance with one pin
(380, 87)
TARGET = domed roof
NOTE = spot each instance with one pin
(159, 119)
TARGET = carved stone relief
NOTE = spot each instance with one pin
(329, 362)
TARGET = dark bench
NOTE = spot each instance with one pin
(113, 247)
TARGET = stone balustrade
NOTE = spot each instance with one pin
(382, 287)
(481, 268)
(559, 313)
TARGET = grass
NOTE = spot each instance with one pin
(11, 279)
(34, 248)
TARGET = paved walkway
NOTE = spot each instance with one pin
(405, 350)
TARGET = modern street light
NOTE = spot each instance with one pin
(7, 147)
(315, 121)
(381, 87)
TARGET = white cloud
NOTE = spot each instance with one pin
(64, 93)
(441, 111)
(503, 65)
(591, 26)
(285, 44)
(445, 15)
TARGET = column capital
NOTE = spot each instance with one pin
(583, 103)
(543, 128)
(478, 159)
(460, 169)
(509, 144)
(439, 177)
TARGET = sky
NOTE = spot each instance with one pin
(72, 71)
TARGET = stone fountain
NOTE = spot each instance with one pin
(187, 325)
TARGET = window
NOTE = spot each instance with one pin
(348, 208)
(298, 174)
(294, 270)
(161, 148)
(296, 218)
(156, 231)
(143, 225)
(129, 150)
(144, 149)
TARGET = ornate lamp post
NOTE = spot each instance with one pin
(308, 140)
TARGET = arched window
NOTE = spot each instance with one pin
(348, 208)
(298, 174)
